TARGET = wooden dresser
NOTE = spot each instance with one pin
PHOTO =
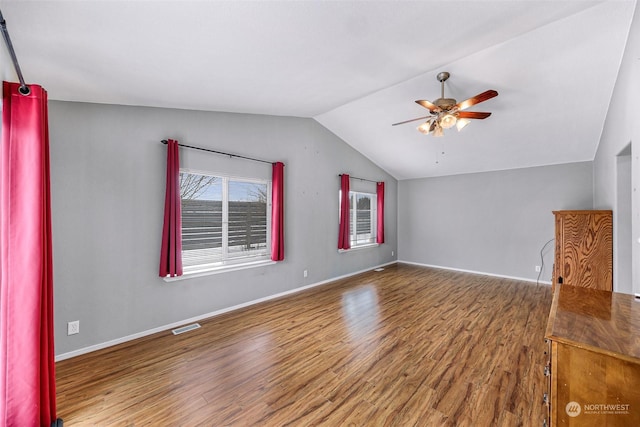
(584, 249)
(593, 370)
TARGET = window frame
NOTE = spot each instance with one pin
(229, 261)
(353, 220)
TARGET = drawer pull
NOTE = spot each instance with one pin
(545, 398)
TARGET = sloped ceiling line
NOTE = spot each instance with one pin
(355, 67)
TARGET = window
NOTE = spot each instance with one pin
(362, 218)
(225, 221)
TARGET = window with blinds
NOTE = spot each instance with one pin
(363, 218)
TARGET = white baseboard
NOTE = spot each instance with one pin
(117, 341)
(524, 279)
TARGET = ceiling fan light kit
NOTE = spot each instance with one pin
(446, 113)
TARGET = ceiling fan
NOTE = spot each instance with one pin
(446, 113)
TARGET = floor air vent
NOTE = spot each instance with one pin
(184, 329)
(379, 269)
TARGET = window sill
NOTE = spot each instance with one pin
(357, 248)
(219, 270)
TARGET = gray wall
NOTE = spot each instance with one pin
(7, 71)
(107, 173)
(491, 222)
(621, 130)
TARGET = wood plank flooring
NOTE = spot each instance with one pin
(408, 346)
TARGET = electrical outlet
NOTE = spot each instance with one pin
(538, 269)
(305, 273)
(393, 253)
(73, 327)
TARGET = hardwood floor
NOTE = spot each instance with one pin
(402, 347)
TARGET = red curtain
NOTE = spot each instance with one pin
(27, 359)
(380, 194)
(277, 212)
(171, 251)
(344, 241)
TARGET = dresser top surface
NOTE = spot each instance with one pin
(603, 321)
(582, 212)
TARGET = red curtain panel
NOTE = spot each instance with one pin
(171, 250)
(343, 234)
(380, 210)
(277, 212)
(27, 359)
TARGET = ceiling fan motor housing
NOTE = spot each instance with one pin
(445, 103)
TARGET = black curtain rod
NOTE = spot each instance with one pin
(24, 89)
(164, 141)
(361, 179)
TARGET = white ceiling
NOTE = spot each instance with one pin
(354, 66)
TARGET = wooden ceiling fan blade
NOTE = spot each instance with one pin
(481, 97)
(472, 115)
(412, 120)
(429, 105)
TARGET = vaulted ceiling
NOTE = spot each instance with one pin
(354, 66)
